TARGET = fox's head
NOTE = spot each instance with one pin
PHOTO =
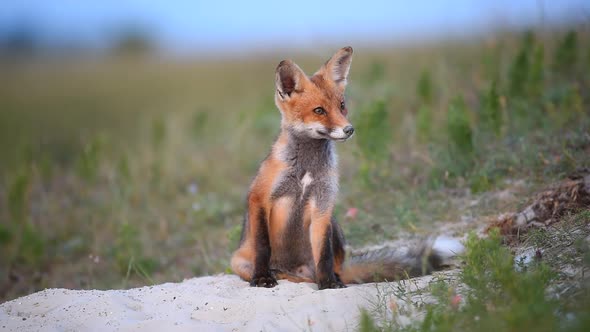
(314, 106)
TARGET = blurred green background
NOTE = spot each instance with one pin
(125, 158)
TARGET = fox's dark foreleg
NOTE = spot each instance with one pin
(321, 233)
(252, 259)
(261, 276)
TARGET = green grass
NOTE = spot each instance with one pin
(125, 172)
(491, 294)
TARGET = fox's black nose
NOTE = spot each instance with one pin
(348, 130)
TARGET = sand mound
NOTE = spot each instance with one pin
(218, 303)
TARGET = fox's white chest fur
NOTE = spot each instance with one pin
(311, 172)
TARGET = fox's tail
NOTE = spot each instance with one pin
(389, 263)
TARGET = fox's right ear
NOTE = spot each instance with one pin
(289, 78)
(337, 68)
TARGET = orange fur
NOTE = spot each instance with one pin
(290, 233)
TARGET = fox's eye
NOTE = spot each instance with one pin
(342, 106)
(319, 111)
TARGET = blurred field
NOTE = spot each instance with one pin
(129, 171)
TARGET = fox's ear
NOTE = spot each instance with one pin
(338, 66)
(289, 78)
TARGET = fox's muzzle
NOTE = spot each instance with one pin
(342, 134)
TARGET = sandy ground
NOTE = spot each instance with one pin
(216, 303)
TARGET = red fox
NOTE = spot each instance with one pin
(289, 232)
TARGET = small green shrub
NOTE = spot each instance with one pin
(526, 68)
(126, 245)
(404, 215)
(566, 54)
(199, 122)
(88, 162)
(460, 135)
(480, 183)
(26, 243)
(518, 297)
(519, 73)
(18, 197)
(366, 323)
(5, 235)
(128, 252)
(491, 114)
(424, 88)
(375, 73)
(375, 129)
(373, 139)
(528, 40)
(123, 170)
(158, 134)
(537, 74)
(32, 246)
(497, 297)
(424, 123)
(458, 126)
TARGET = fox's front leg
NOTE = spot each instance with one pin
(252, 260)
(261, 276)
(321, 237)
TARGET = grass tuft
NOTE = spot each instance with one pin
(497, 296)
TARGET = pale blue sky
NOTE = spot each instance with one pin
(186, 26)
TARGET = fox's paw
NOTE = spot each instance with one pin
(267, 281)
(330, 283)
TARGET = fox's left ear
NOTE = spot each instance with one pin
(336, 69)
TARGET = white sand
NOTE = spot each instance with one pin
(218, 303)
